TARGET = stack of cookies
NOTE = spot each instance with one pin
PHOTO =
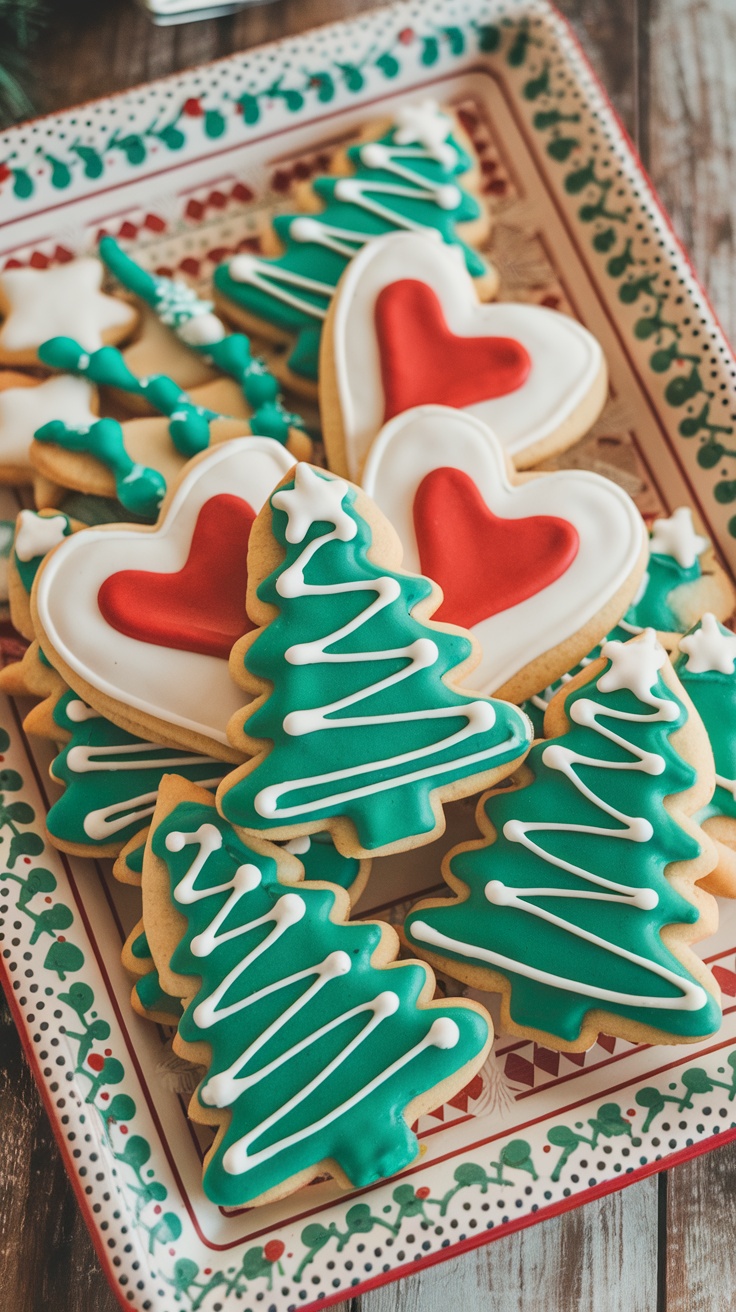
(267, 663)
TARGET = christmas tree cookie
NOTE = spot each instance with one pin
(706, 668)
(579, 902)
(320, 1049)
(358, 724)
(402, 176)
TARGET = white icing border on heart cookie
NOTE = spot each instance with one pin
(612, 535)
(566, 359)
(191, 691)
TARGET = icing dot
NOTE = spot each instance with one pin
(497, 893)
(201, 330)
(424, 652)
(246, 878)
(305, 229)
(385, 1004)
(175, 842)
(514, 831)
(348, 189)
(298, 846)
(448, 197)
(646, 899)
(375, 156)
(444, 1033)
(289, 909)
(481, 716)
(640, 830)
(338, 963)
(241, 267)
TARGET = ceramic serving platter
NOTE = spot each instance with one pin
(181, 170)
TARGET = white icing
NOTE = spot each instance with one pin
(610, 529)
(187, 691)
(676, 537)
(23, 410)
(709, 648)
(298, 846)
(307, 505)
(635, 667)
(225, 1087)
(395, 159)
(566, 360)
(78, 711)
(38, 534)
(106, 821)
(426, 125)
(63, 301)
(201, 330)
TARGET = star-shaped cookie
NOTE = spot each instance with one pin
(65, 301)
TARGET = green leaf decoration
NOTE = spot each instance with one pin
(388, 65)
(250, 108)
(94, 165)
(23, 185)
(64, 959)
(456, 39)
(430, 50)
(562, 147)
(4, 740)
(20, 813)
(174, 138)
(10, 780)
(24, 845)
(489, 38)
(214, 123)
(120, 1108)
(80, 998)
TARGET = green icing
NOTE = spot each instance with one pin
(535, 891)
(391, 186)
(134, 859)
(360, 718)
(153, 999)
(111, 778)
(713, 694)
(322, 861)
(28, 569)
(652, 609)
(655, 608)
(139, 488)
(140, 949)
(179, 308)
(315, 1052)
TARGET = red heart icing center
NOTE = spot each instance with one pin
(484, 564)
(424, 363)
(201, 607)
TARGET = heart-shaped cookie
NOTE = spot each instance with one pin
(406, 328)
(537, 589)
(147, 644)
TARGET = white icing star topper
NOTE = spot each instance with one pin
(676, 537)
(709, 647)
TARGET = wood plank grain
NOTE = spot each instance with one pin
(691, 140)
(46, 1255)
(701, 1234)
(571, 1261)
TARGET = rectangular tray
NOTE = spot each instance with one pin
(180, 169)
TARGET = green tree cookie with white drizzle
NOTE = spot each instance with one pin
(579, 902)
(358, 726)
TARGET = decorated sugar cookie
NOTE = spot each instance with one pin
(706, 667)
(137, 460)
(406, 328)
(139, 621)
(682, 581)
(26, 404)
(538, 567)
(359, 726)
(110, 777)
(356, 1050)
(400, 176)
(579, 902)
(67, 299)
(35, 535)
(191, 324)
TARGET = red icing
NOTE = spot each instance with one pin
(484, 564)
(423, 363)
(202, 607)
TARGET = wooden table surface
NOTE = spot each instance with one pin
(665, 1244)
